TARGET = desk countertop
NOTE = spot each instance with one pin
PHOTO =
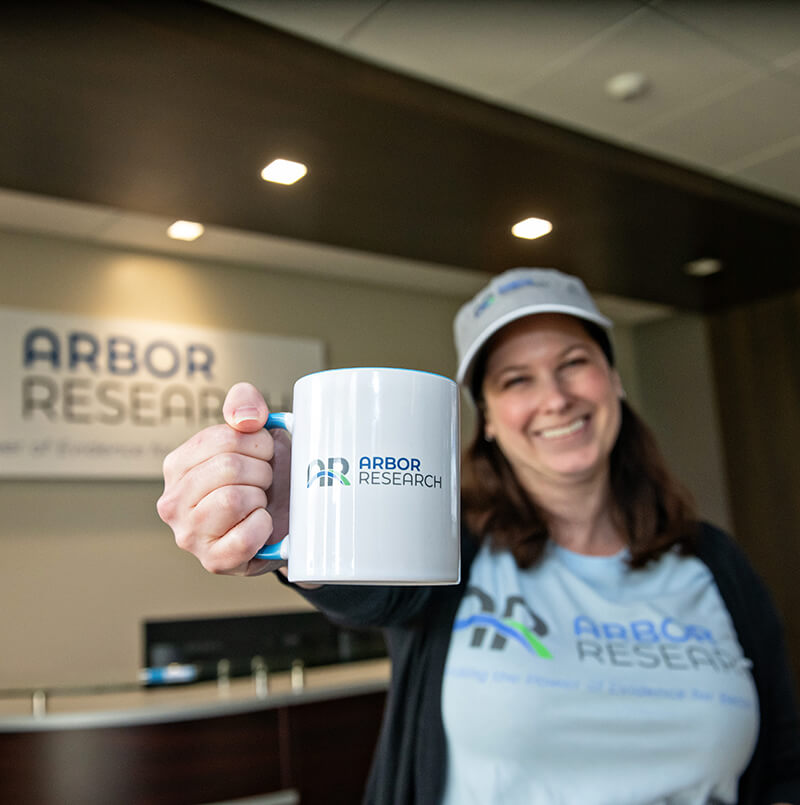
(71, 710)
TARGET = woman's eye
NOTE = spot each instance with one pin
(573, 362)
(515, 380)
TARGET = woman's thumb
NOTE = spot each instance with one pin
(244, 408)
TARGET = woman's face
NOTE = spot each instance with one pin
(551, 401)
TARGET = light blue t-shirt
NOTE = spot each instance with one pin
(582, 681)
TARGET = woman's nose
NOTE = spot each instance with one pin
(554, 396)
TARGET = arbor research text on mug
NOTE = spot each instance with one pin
(374, 478)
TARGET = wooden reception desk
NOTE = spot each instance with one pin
(202, 743)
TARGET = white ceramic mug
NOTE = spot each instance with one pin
(375, 492)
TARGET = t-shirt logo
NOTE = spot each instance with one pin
(518, 622)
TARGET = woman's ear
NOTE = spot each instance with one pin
(616, 382)
(488, 429)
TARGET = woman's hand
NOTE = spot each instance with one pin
(226, 490)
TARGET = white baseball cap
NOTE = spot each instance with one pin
(510, 296)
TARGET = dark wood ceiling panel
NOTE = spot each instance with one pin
(173, 107)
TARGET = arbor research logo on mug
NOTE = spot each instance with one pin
(372, 471)
(507, 626)
(335, 469)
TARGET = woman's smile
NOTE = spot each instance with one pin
(562, 432)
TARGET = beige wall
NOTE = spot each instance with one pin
(675, 391)
(84, 563)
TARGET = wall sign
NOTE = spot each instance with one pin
(85, 397)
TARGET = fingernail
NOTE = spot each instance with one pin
(247, 413)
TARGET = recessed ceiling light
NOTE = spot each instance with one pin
(627, 86)
(703, 267)
(531, 228)
(185, 230)
(284, 171)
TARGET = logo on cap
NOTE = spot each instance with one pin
(511, 285)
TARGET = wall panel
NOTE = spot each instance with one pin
(756, 355)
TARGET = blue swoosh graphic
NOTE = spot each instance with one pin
(321, 474)
(327, 474)
(488, 620)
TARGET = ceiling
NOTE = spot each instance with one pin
(724, 80)
(428, 127)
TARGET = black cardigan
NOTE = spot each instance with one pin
(410, 759)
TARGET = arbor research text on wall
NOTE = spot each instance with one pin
(118, 379)
(91, 397)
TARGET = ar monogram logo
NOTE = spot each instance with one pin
(506, 626)
(335, 470)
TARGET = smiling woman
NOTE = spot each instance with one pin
(552, 423)
(587, 583)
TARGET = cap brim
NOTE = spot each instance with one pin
(463, 376)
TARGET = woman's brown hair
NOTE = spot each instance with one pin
(649, 507)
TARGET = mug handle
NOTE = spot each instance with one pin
(277, 550)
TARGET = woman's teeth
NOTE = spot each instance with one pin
(567, 430)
